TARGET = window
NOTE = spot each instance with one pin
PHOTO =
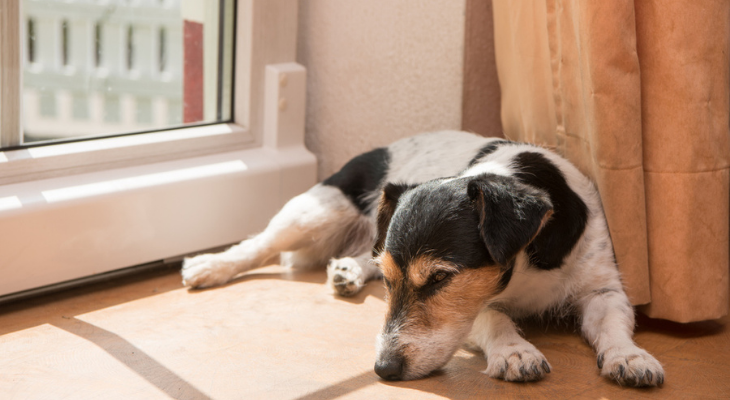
(162, 49)
(47, 103)
(64, 43)
(124, 58)
(144, 110)
(97, 45)
(80, 106)
(30, 37)
(112, 109)
(130, 48)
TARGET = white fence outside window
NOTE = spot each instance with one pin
(93, 67)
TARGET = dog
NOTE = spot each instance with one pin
(468, 233)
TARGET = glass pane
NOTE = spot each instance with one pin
(104, 67)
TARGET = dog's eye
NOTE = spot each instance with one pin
(438, 277)
(435, 282)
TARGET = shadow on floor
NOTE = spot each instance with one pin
(134, 358)
(63, 305)
(343, 387)
(315, 276)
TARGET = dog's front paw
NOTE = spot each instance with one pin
(631, 366)
(345, 275)
(207, 270)
(517, 362)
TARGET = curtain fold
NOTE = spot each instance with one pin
(683, 48)
(637, 97)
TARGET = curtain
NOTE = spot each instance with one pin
(637, 95)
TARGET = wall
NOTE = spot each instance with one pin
(379, 70)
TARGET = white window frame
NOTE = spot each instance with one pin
(266, 137)
(265, 34)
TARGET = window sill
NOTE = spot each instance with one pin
(95, 155)
(63, 228)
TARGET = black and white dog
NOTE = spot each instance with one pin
(468, 233)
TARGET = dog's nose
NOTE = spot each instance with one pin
(390, 369)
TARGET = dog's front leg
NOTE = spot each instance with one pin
(283, 234)
(348, 275)
(316, 221)
(206, 270)
(509, 355)
(608, 324)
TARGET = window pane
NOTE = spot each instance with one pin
(96, 68)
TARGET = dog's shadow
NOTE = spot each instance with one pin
(461, 378)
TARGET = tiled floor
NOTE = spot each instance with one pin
(277, 335)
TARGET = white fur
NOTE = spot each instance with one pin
(348, 275)
(509, 356)
(491, 167)
(430, 351)
(445, 152)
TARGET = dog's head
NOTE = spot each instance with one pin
(445, 248)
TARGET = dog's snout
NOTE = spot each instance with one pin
(391, 368)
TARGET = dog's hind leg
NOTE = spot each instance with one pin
(317, 225)
(608, 324)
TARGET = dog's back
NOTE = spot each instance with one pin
(411, 160)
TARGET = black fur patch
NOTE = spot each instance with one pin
(361, 176)
(437, 220)
(388, 203)
(510, 213)
(487, 150)
(505, 277)
(568, 222)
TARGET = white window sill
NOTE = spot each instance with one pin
(64, 228)
(78, 157)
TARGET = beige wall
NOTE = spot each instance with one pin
(379, 70)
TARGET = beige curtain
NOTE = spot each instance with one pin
(636, 94)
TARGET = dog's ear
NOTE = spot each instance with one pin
(388, 202)
(511, 214)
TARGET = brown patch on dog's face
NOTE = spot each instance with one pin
(431, 308)
(459, 299)
(391, 272)
(425, 268)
